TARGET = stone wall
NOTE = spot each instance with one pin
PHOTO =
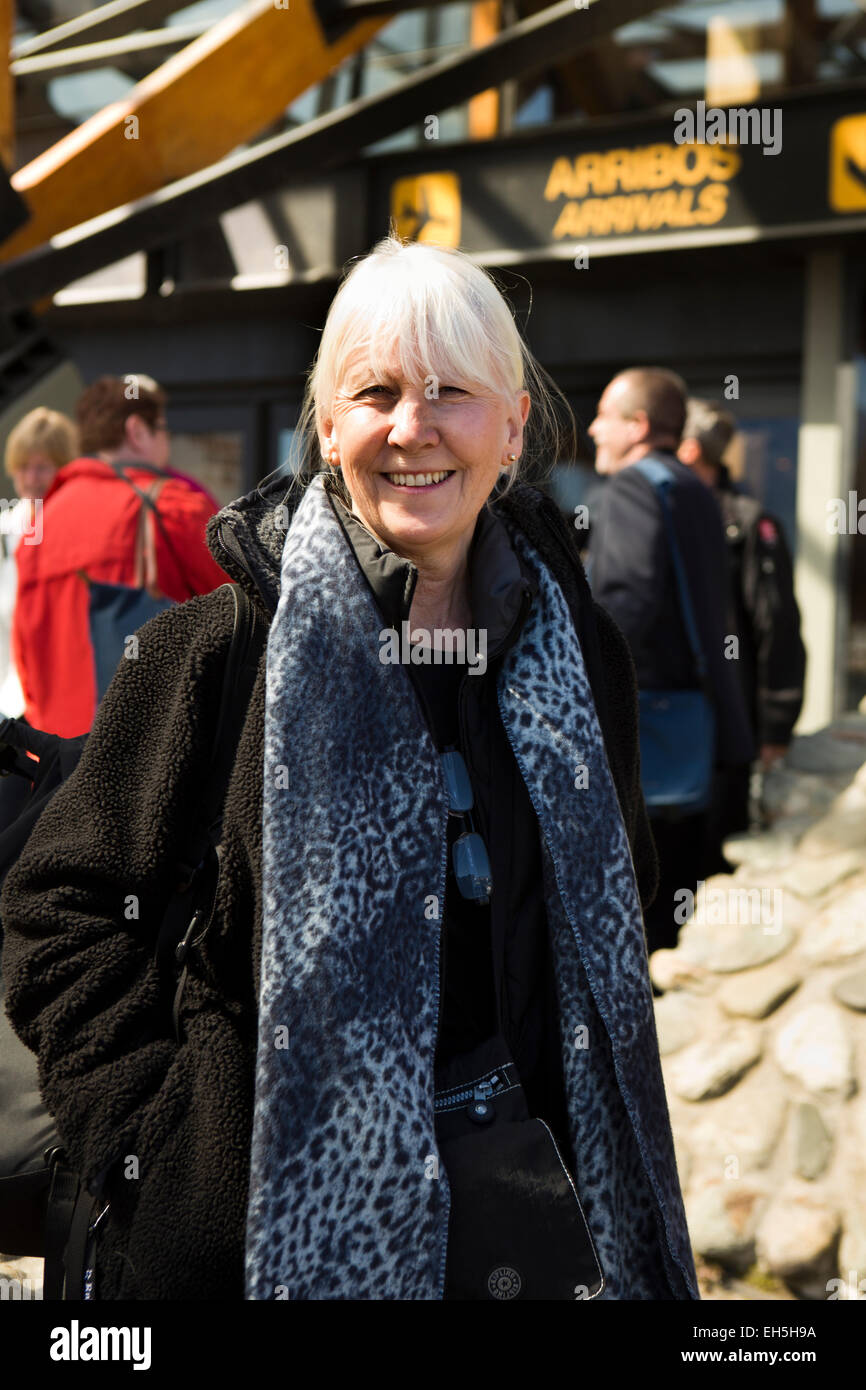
(762, 1030)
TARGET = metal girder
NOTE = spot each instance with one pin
(799, 42)
(848, 32)
(219, 91)
(333, 11)
(106, 22)
(128, 50)
(178, 209)
(7, 88)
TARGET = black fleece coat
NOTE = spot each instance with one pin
(82, 907)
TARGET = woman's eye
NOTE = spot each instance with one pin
(380, 391)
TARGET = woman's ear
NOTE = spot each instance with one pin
(517, 419)
(328, 444)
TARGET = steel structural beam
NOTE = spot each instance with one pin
(178, 209)
(7, 88)
(109, 21)
(118, 18)
(150, 48)
(218, 92)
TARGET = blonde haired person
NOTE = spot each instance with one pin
(417, 1056)
(42, 442)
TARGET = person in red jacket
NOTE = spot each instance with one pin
(90, 525)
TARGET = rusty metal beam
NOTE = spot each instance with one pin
(527, 47)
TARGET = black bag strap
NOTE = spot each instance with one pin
(187, 916)
(62, 1197)
(661, 479)
(147, 501)
(249, 635)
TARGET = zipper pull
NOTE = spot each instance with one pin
(95, 1223)
(480, 1109)
(182, 949)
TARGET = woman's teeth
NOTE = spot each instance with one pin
(417, 479)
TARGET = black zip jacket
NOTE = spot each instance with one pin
(82, 907)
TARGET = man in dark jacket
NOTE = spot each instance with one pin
(124, 1088)
(640, 416)
(771, 659)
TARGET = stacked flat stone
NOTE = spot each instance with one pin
(762, 1031)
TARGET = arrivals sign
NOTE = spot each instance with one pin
(640, 188)
(704, 174)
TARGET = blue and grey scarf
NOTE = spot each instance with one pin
(345, 1200)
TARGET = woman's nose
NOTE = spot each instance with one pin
(411, 421)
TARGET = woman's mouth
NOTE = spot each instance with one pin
(419, 482)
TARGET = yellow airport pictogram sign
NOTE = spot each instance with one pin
(427, 208)
(848, 164)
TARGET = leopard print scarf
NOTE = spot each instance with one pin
(345, 1200)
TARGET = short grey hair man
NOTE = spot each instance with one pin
(706, 435)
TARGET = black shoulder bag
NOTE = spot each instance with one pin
(516, 1227)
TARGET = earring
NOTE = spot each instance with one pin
(512, 458)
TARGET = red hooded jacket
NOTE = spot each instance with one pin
(90, 519)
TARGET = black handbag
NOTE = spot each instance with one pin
(516, 1227)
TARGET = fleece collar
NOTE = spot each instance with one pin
(246, 537)
(500, 586)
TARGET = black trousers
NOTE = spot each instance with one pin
(681, 847)
(728, 815)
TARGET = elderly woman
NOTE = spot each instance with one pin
(418, 1057)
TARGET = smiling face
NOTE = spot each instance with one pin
(420, 461)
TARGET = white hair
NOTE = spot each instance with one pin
(446, 322)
